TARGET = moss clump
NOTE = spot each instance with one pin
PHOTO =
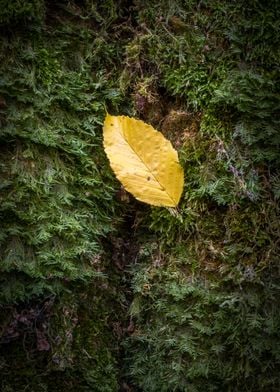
(22, 11)
(206, 280)
(64, 342)
(57, 196)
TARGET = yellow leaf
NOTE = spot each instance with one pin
(143, 160)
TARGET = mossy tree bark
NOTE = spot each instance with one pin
(98, 291)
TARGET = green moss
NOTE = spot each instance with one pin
(57, 198)
(206, 281)
(21, 11)
(202, 279)
(63, 342)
